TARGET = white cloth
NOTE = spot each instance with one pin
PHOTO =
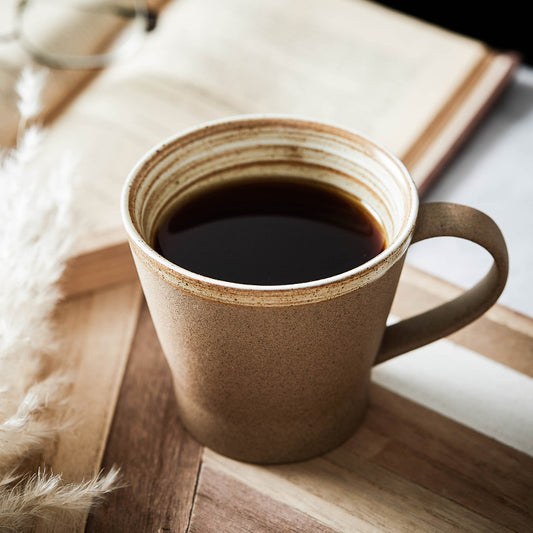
(467, 387)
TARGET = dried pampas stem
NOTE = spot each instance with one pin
(35, 206)
(44, 496)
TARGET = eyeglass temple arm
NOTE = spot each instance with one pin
(150, 15)
(151, 19)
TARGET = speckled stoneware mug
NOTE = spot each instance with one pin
(273, 374)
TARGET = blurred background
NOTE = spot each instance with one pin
(506, 26)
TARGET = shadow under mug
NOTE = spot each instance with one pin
(274, 374)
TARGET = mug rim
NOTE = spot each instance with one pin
(364, 272)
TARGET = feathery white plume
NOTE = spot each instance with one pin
(29, 89)
(37, 233)
(45, 496)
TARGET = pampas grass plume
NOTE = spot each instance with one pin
(37, 220)
(45, 496)
(29, 89)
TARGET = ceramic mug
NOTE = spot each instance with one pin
(274, 374)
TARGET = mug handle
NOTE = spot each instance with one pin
(446, 219)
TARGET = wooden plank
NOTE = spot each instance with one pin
(406, 469)
(96, 333)
(87, 271)
(356, 496)
(445, 457)
(500, 334)
(223, 505)
(442, 289)
(158, 459)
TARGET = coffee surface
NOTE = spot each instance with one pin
(270, 232)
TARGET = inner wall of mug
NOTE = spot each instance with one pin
(249, 148)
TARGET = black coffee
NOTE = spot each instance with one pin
(270, 232)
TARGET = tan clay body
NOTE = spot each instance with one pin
(278, 374)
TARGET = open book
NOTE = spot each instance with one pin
(412, 87)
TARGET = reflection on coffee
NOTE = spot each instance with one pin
(270, 232)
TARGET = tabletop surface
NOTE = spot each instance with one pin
(448, 439)
(431, 455)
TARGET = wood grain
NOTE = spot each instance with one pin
(96, 332)
(87, 271)
(447, 458)
(500, 334)
(158, 459)
(223, 505)
(441, 289)
(406, 469)
(354, 495)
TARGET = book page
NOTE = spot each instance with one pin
(346, 61)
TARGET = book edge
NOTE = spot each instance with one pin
(459, 117)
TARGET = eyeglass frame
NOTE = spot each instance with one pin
(94, 61)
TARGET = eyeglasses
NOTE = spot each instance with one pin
(81, 34)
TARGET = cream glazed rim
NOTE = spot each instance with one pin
(270, 295)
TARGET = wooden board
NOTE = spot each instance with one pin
(151, 447)
(408, 468)
(96, 332)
